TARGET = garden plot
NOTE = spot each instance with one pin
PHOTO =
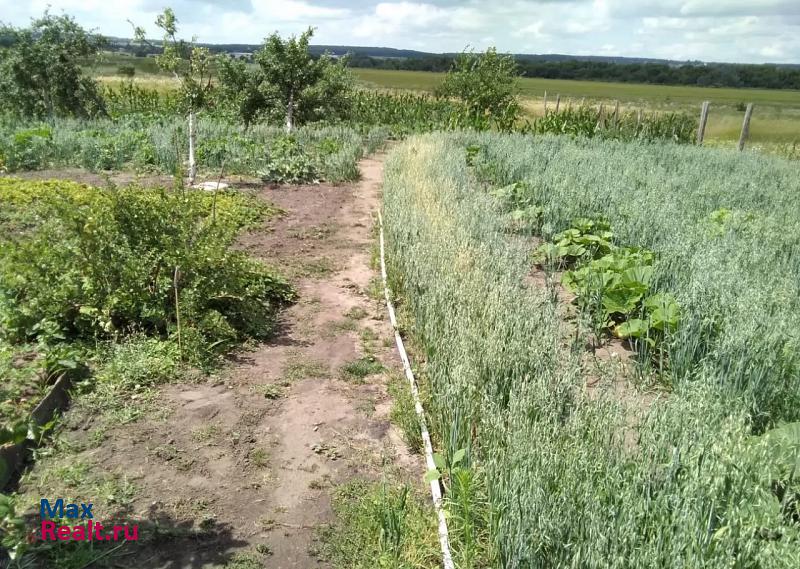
(541, 471)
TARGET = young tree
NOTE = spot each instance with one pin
(242, 88)
(289, 81)
(40, 73)
(189, 64)
(487, 85)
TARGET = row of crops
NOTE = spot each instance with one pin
(145, 132)
(542, 470)
(148, 144)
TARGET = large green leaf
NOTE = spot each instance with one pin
(783, 447)
(633, 328)
(621, 300)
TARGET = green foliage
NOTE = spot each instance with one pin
(98, 263)
(190, 64)
(24, 147)
(558, 477)
(779, 450)
(242, 89)
(145, 142)
(288, 163)
(487, 85)
(404, 113)
(403, 413)
(617, 290)
(380, 525)
(13, 533)
(130, 99)
(590, 122)
(586, 239)
(129, 370)
(40, 73)
(126, 70)
(361, 368)
(725, 239)
(288, 83)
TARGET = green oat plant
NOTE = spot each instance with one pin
(564, 476)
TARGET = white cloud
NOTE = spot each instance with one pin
(535, 30)
(715, 30)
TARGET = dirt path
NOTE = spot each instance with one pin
(242, 466)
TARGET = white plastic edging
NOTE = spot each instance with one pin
(436, 491)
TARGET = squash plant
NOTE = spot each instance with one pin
(617, 287)
(779, 451)
(524, 214)
(587, 239)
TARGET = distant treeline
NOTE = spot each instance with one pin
(705, 75)
(553, 66)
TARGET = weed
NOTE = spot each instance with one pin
(380, 525)
(298, 367)
(270, 390)
(375, 289)
(206, 433)
(403, 413)
(259, 458)
(368, 339)
(367, 407)
(246, 561)
(361, 368)
(356, 313)
(335, 327)
(317, 268)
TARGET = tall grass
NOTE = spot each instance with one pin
(727, 235)
(567, 480)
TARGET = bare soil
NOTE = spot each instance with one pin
(246, 461)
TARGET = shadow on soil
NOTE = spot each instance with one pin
(163, 542)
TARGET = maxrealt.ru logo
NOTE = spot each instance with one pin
(88, 530)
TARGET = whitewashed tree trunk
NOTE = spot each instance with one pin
(192, 163)
(290, 112)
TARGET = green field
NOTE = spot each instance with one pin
(776, 117)
(627, 92)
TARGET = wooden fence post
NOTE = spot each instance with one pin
(558, 101)
(701, 130)
(745, 126)
(616, 111)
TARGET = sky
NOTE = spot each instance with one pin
(746, 31)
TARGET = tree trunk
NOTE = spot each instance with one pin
(192, 164)
(290, 112)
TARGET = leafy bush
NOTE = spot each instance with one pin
(288, 163)
(25, 149)
(586, 239)
(616, 289)
(98, 263)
